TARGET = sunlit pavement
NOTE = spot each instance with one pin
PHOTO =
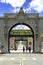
(21, 59)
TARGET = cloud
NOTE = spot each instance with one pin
(16, 10)
(14, 3)
(36, 5)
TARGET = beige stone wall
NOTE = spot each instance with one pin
(12, 43)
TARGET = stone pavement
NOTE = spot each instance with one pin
(21, 59)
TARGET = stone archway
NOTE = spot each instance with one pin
(10, 20)
(32, 36)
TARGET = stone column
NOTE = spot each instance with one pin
(4, 46)
(37, 37)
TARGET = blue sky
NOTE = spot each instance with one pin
(29, 6)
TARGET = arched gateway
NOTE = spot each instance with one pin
(34, 37)
(15, 36)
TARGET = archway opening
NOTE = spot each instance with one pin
(20, 35)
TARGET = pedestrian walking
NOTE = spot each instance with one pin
(26, 48)
(29, 49)
(23, 48)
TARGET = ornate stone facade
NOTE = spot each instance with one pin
(9, 20)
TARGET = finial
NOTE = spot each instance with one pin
(21, 10)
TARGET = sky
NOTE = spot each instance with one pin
(21, 27)
(29, 6)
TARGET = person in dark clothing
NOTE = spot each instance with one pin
(26, 48)
(29, 49)
(23, 48)
(15, 48)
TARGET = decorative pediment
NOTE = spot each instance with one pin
(21, 11)
(21, 14)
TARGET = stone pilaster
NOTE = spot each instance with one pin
(5, 27)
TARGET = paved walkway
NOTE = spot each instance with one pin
(21, 59)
